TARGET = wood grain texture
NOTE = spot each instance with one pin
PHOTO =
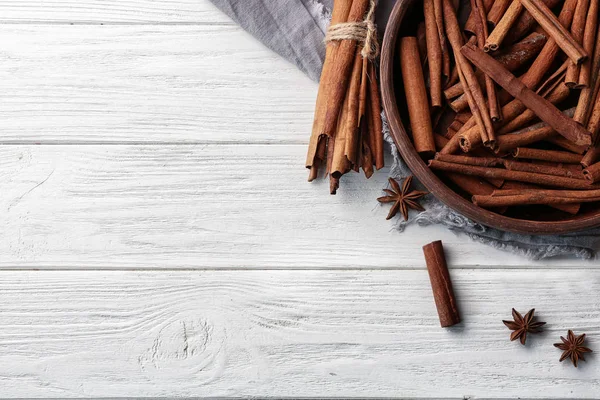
(204, 206)
(111, 12)
(150, 84)
(290, 333)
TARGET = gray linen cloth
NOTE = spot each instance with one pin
(295, 29)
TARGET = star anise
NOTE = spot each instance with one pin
(523, 325)
(402, 198)
(572, 347)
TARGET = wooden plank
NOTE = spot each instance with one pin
(290, 333)
(150, 84)
(111, 12)
(203, 206)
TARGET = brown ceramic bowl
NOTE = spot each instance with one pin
(529, 220)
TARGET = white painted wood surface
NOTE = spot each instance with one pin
(289, 333)
(151, 166)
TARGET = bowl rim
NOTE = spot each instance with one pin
(418, 167)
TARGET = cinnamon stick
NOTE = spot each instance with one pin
(500, 173)
(434, 54)
(546, 155)
(592, 173)
(318, 140)
(547, 20)
(589, 42)
(590, 74)
(443, 294)
(577, 30)
(567, 145)
(467, 77)
(522, 187)
(481, 35)
(491, 201)
(525, 23)
(416, 97)
(557, 170)
(547, 55)
(376, 123)
(591, 157)
(503, 26)
(497, 11)
(540, 106)
(342, 69)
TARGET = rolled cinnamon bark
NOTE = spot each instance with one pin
(567, 145)
(416, 97)
(434, 54)
(500, 173)
(577, 194)
(542, 169)
(377, 124)
(585, 105)
(591, 157)
(592, 173)
(533, 134)
(577, 30)
(491, 201)
(513, 58)
(318, 140)
(589, 40)
(558, 95)
(546, 57)
(443, 294)
(546, 155)
(547, 20)
(497, 11)
(471, 86)
(525, 23)
(540, 106)
(342, 69)
(468, 160)
(503, 26)
(515, 114)
(521, 187)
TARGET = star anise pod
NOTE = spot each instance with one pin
(402, 198)
(523, 325)
(572, 347)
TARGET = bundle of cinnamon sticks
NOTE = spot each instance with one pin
(347, 129)
(517, 86)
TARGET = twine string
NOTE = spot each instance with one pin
(364, 32)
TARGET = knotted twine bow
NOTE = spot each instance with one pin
(364, 32)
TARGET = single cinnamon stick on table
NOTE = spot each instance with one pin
(540, 106)
(443, 294)
(416, 97)
(547, 20)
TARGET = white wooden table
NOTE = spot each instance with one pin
(158, 236)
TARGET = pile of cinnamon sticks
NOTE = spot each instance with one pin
(517, 86)
(347, 130)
